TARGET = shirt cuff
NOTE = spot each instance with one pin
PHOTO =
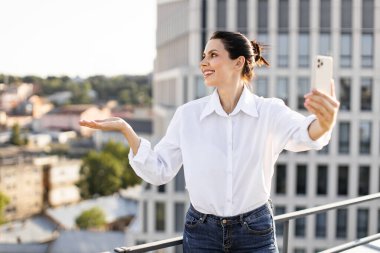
(142, 152)
(321, 141)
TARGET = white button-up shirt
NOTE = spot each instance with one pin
(228, 159)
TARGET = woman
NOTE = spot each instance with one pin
(228, 143)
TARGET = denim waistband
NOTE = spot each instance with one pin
(264, 209)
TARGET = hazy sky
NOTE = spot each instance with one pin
(77, 37)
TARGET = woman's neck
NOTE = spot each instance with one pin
(229, 96)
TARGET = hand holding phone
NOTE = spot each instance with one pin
(322, 74)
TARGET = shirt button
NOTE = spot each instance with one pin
(224, 221)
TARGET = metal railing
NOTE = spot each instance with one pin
(283, 218)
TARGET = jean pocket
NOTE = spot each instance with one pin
(192, 221)
(262, 225)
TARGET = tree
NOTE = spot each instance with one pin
(120, 152)
(100, 174)
(103, 173)
(4, 201)
(93, 218)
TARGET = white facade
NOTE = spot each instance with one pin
(295, 30)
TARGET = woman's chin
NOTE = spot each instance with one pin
(209, 83)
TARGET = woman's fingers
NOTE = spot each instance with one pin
(110, 124)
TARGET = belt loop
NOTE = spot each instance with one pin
(241, 219)
(270, 203)
(203, 218)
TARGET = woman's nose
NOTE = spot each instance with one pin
(203, 62)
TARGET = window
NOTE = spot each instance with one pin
(344, 138)
(281, 179)
(204, 24)
(325, 44)
(161, 188)
(363, 187)
(145, 216)
(345, 50)
(365, 137)
(262, 86)
(341, 223)
(346, 15)
(303, 88)
(301, 179)
(368, 11)
(283, 15)
(366, 94)
(221, 14)
(300, 223)
(345, 93)
(343, 174)
(322, 185)
(179, 181)
(367, 50)
(200, 89)
(321, 225)
(362, 223)
(283, 50)
(303, 50)
(263, 39)
(280, 225)
(160, 216)
(378, 221)
(282, 89)
(242, 17)
(325, 15)
(179, 210)
(304, 15)
(262, 16)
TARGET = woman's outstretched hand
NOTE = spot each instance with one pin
(111, 124)
(115, 124)
(325, 107)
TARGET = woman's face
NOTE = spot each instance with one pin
(216, 66)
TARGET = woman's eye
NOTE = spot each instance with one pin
(213, 55)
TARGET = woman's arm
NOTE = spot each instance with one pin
(325, 108)
(157, 166)
(115, 124)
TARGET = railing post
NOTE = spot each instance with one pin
(285, 237)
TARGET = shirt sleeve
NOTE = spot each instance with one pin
(160, 165)
(291, 130)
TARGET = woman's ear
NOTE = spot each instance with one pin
(240, 61)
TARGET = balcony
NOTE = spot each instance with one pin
(285, 219)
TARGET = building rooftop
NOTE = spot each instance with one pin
(113, 206)
(37, 229)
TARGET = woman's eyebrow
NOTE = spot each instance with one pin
(211, 51)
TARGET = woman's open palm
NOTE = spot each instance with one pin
(110, 124)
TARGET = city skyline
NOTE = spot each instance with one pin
(77, 38)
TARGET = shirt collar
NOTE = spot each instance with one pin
(246, 104)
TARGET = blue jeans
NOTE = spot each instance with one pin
(253, 231)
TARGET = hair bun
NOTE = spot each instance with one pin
(257, 49)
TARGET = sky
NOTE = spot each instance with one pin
(77, 37)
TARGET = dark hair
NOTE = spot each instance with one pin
(237, 45)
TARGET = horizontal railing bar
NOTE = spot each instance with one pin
(324, 208)
(353, 244)
(152, 245)
(278, 218)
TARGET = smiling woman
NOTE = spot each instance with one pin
(228, 143)
(82, 38)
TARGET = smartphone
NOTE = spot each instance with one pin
(322, 73)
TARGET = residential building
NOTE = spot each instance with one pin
(21, 181)
(67, 118)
